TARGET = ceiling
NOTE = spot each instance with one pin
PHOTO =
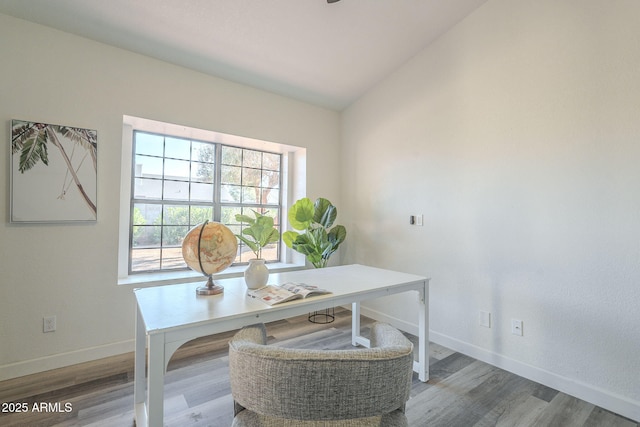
(324, 54)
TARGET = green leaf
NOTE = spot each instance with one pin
(304, 245)
(301, 214)
(324, 212)
(264, 222)
(85, 137)
(262, 229)
(244, 218)
(271, 237)
(318, 236)
(249, 243)
(288, 237)
(250, 232)
(20, 132)
(337, 235)
(33, 150)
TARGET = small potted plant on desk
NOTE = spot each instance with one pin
(318, 241)
(259, 233)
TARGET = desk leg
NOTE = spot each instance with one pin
(355, 323)
(155, 380)
(423, 335)
(139, 377)
(139, 363)
(356, 338)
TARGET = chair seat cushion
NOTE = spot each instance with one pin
(248, 418)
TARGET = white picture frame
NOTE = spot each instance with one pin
(53, 173)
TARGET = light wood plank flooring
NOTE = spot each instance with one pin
(461, 392)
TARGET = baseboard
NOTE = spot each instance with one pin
(41, 364)
(605, 399)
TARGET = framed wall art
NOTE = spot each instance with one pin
(53, 173)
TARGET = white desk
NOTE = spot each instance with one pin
(169, 316)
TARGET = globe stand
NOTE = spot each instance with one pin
(210, 288)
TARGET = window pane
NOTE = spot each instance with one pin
(245, 253)
(251, 159)
(148, 237)
(231, 175)
(203, 152)
(228, 217)
(250, 194)
(230, 193)
(147, 214)
(172, 235)
(271, 161)
(172, 259)
(177, 148)
(270, 252)
(270, 179)
(202, 192)
(235, 229)
(147, 189)
(146, 143)
(202, 172)
(176, 190)
(270, 196)
(149, 167)
(175, 215)
(200, 214)
(231, 156)
(177, 169)
(145, 260)
(251, 177)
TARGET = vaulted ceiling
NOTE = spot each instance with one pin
(311, 50)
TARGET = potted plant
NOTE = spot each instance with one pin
(259, 233)
(318, 240)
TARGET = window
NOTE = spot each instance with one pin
(177, 183)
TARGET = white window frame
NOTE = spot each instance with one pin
(293, 188)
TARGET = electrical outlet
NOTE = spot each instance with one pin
(485, 319)
(516, 327)
(49, 324)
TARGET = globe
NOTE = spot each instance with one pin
(209, 248)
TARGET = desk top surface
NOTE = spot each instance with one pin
(166, 307)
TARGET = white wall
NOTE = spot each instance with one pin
(517, 135)
(71, 270)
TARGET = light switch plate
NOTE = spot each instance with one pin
(516, 327)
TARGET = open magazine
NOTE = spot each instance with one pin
(275, 294)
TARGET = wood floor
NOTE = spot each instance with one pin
(461, 392)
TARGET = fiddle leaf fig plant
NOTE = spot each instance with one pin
(259, 233)
(318, 240)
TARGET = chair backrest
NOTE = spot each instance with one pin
(321, 384)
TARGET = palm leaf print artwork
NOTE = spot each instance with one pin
(54, 171)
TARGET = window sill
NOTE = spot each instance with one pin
(187, 276)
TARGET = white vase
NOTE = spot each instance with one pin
(257, 274)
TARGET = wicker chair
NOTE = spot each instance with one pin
(279, 387)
